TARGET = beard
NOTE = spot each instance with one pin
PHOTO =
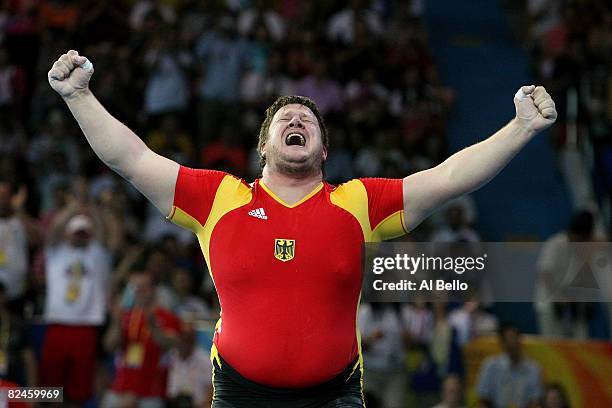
(285, 164)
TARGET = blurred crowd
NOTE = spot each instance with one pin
(102, 295)
(571, 54)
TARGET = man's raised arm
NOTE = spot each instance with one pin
(113, 142)
(474, 166)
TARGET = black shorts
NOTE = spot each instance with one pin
(231, 390)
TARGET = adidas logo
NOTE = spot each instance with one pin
(258, 213)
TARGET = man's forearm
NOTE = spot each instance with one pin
(116, 145)
(474, 166)
(113, 142)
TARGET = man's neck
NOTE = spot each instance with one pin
(515, 360)
(290, 189)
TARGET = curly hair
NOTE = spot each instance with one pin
(279, 103)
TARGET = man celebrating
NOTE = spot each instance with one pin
(288, 334)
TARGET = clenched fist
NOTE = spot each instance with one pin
(535, 107)
(70, 74)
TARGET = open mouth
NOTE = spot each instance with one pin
(295, 139)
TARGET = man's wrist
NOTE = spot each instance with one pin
(525, 126)
(77, 95)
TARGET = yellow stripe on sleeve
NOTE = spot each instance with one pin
(391, 227)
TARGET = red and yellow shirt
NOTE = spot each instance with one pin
(288, 277)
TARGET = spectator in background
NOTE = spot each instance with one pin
(367, 162)
(60, 197)
(457, 228)
(193, 19)
(225, 152)
(58, 17)
(12, 85)
(544, 16)
(17, 361)
(158, 263)
(555, 396)
(77, 268)
(417, 322)
(17, 231)
(509, 379)
(444, 348)
(143, 8)
(143, 335)
(363, 55)
(103, 21)
(556, 273)
(439, 220)
(366, 93)
(168, 138)
(421, 366)
(187, 306)
(259, 88)
(341, 26)
(110, 201)
(12, 136)
(260, 14)
(457, 236)
(368, 104)
(167, 87)
(384, 377)
(223, 56)
(452, 393)
(371, 161)
(470, 321)
(259, 49)
(339, 164)
(321, 88)
(190, 376)
(54, 156)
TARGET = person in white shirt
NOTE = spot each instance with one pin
(190, 376)
(77, 271)
(77, 275)
(471, 321)
(556, 272)
(417, 322)
(17, 231)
